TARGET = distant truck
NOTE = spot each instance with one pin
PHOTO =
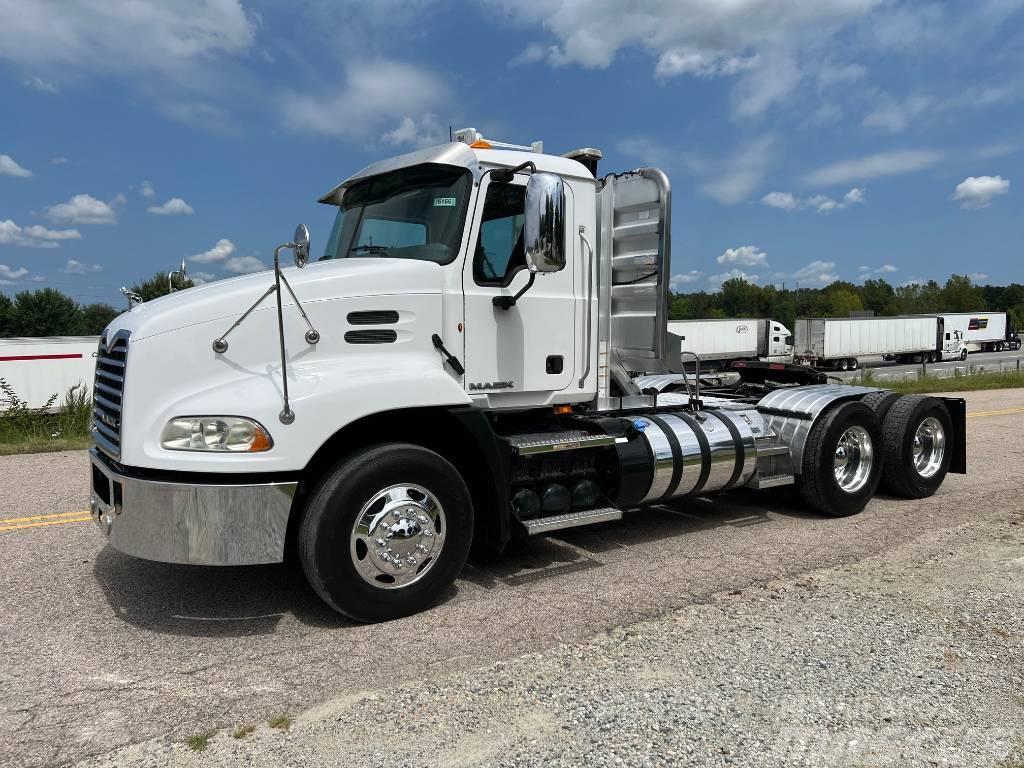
(840, 342)
(983, 331)
(719, 342)
(38, 368)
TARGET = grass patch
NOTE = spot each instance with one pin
(197, 742)
(242, 731)
(281, 722)
(960, 382)
(62, 426)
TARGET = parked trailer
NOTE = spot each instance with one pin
(983, 331)
(38, 368)
(457, 370)
(718, 342)
(841, 342)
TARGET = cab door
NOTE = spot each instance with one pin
(519, 356)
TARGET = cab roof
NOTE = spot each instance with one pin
(461, 155)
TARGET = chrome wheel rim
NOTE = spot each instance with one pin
(854, 457)
(398, 536)
(929, 446)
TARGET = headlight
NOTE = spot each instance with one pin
(215, 433)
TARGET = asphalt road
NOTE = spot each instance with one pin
(102, 651)
(990, 361)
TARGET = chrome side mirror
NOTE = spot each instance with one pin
(544, 227)
(301, 244)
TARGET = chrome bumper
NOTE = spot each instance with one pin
(193, 524)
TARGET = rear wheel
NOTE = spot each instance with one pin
(853, 363)
(917, 433)
(386, 532)
(844, 365)
(880, 403)
(841, 467)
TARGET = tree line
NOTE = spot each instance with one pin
(738, 298)
(48, 312)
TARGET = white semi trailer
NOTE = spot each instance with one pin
(39, 368)
(840, 342)
(456, 370)
(721, 341)
(983, 331)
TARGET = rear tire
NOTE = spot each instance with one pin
(917, 446)
(880, 403)
(842, 464)
(854, 363)
(386, 532)
(844, 365)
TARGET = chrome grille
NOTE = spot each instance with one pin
(111, 363)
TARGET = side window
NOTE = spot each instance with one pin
(775, 338)
(499, 249)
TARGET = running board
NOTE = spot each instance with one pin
(772, 481)
(548, 442)
(571, 520)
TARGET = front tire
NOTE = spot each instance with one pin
(386, 532)
(917, 447)
(841, 465)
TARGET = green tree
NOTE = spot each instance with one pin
(157, 286)
(6, 309)
(739, 298)
(879, 297)
(96, 317)
(46, 312)
(961, 295)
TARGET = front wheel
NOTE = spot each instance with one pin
(841, 464)
(963, 354)
(386, 532)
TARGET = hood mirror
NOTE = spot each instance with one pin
(301, 244)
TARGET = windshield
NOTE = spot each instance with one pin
(414, 213)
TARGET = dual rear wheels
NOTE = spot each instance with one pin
(901, 443)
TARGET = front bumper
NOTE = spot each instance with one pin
(197, 524)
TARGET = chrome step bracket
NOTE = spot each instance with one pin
(549, 442)
(772, 481)
(571, 520)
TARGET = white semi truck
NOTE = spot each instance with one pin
(458, 369)
(840, 342)
(983, 331)
(718, 342)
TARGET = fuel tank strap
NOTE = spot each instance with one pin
(705, 449)
(677, 453)
(740, 449)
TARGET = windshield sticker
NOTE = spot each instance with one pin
(444, 202)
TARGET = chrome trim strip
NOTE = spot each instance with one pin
(193, 524)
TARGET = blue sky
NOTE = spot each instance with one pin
(807, 140)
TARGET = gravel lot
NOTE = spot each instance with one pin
(735, 631)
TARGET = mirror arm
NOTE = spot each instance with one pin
(505, 175)
(507, 302)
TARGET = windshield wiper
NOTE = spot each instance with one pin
(370, 248)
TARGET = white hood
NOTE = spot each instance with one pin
(320, 281)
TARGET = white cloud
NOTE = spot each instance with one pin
(531, 54)
(684, 278)
(377, 98)
(895, 116)
(977, 277)
(745, 256)
(146, 189)
(201, 278)
(74, 267)
(999, 149)
(10, 273)
(424, 132)
(891, 163)
(84, 209)
(221, 251)
(830, 74)
(867, 273)
(977, 191)
(783, 200)
(38, 84)
(10, 168)
(58, 160)
(816, 273)
(173, 207)
(244, 265)
(820, 203)
(34, 236)
(647, 150)
(733, 274)
(743, 173)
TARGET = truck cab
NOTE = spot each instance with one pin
(480, 353)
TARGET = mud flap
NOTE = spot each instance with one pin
(958, 414)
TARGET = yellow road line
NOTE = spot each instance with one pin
(1000, 412)
(43, 517)
(64, 521)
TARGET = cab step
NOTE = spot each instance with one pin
(571, 520)
(772, 481)
(549, 442)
